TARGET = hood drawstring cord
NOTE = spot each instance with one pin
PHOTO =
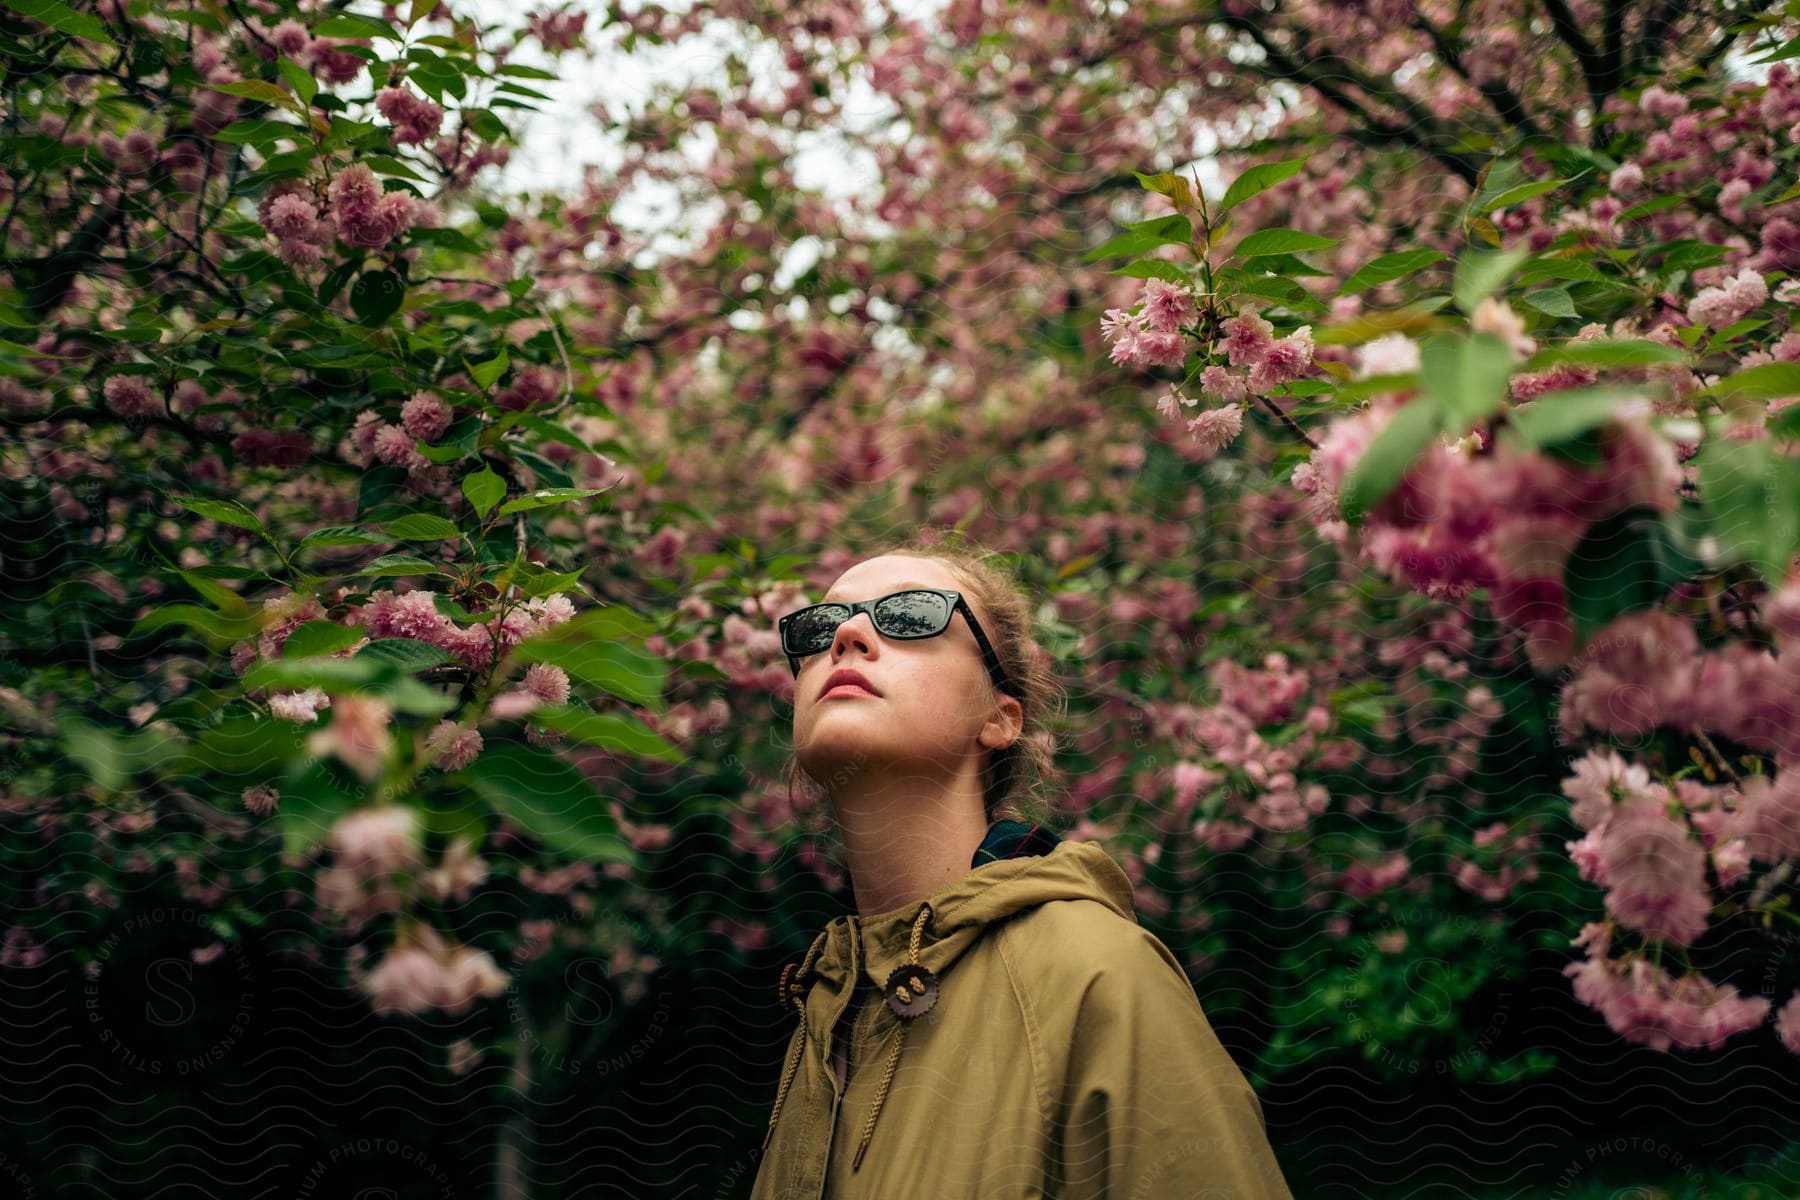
(911, 991)
(793, 991)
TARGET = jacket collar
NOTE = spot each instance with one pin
(1017, 867)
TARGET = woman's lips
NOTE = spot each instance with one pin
(847, 689)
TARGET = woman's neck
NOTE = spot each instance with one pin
(899, 850)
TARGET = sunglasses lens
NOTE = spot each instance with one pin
(812, 629)
(912, 614)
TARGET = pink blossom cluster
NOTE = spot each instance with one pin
(557, 31)
(1644, 1004)
(426, 416)
(451, 747)
(327, 57)
(1647, 669)
(1504, 519)
(1653, 871)
(1151, 335)
(1266, 361)
(414, 615)
(543, 684)
(133, 154)
(130, 396)
(414, 118)
(290, 215)
(1717, 307)
(359, 734)
(372, 848)
(365, 215)
(423, 972)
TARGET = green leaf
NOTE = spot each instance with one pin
(341, 535)
(405, 654)
(1479, 274)
(226, 512)
(550, 799)
(217, 594)
(399, 564)
(299, 78)
(544, 497)
(1624, 563)
(485, 373)
(111, 759)
(1520, 194)
(1554, 302)
(1558, 417)
(1259, 179)
(1152, 268)
(615, 733)
(1388, 268)
(1766, 382)
(217, 626)
(320, 637)
(1143, 236)
(63, 19)
(383, 164)
(355, 25)
(258, 131)
(1282, 241)
(1174, 187)
(421, 527)
(255, 89)
(583, 648)
(483, 489)
(1384, 464)
(1625, 352)
(1753, 497)
(376, 296)
(1466, 377)
(419, 11)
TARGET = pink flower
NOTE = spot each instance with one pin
(426, 416)
(365, 215)
(1283, 360)
(1637, 673)
(415, 119)
(1642, 1003)
(1656, 873)
(1626, 179)
(377, 841)
(1216, 428)
(1717, 307)
(1116, 323)
(459, 874)
(261, 799)
(1787, 1023)
(1768, 816)
(1247, 338)
(1222, 384)
(358, 734)
(1600, 777)
(1391, 354)
(394, 445)
(452, 750)
(1166, 306)
(299, 707)
(130, 396)
(548, 683)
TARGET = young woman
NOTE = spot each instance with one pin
(992, 1021)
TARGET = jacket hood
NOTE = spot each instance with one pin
(907, 953)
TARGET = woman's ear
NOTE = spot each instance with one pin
(1004, 727)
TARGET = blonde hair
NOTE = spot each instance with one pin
(1019, 781)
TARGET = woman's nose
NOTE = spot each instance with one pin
(858, 630)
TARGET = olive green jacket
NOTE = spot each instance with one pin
(1056, 1050)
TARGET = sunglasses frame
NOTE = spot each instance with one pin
(957, 604)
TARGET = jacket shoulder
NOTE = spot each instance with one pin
(1061, 941)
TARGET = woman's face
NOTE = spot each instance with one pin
(933, 695)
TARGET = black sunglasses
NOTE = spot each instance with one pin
(907, 615)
